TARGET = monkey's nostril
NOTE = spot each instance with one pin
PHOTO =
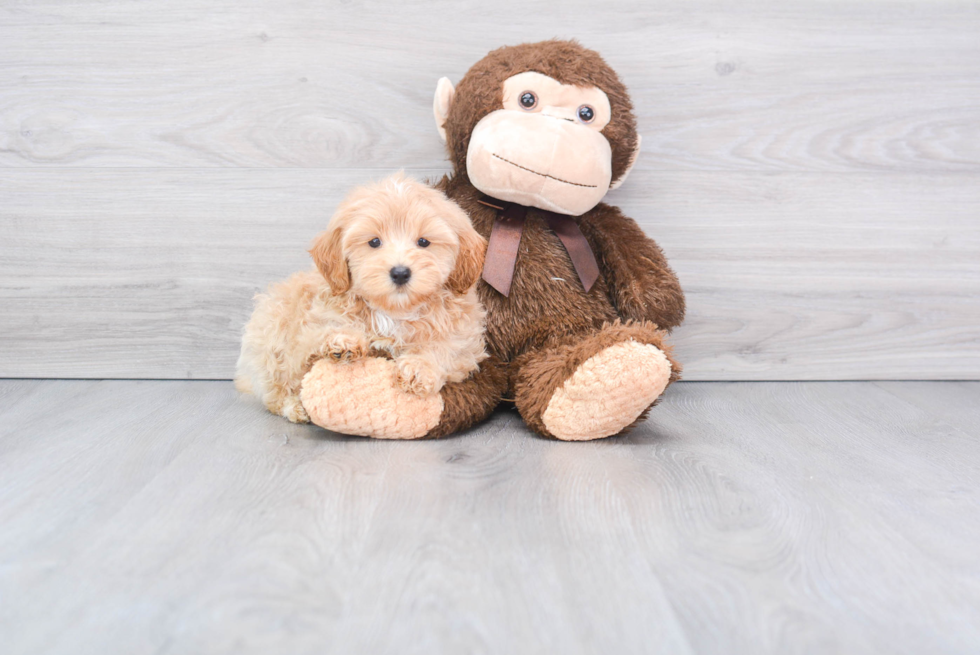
(400, 274)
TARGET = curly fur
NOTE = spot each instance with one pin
(350, 307)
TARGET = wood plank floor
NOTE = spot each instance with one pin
(178, 517)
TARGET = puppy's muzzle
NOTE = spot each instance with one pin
(400, 275)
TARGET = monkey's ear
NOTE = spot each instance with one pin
(622, 178)
(440, 104)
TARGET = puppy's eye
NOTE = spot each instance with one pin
(529, 100)
(375, 242)
(586, 114)
(423, 243)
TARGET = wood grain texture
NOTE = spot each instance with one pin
(133, 273)
(147, 517)
(811, 169)
(772, 86)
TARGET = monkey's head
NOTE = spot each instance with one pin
(547, 125)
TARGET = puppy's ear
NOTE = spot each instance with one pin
(328, 255)
(469, 260)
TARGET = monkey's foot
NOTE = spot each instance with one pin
(608, 392)
(362, 398)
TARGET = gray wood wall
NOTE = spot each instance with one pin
(811, 168)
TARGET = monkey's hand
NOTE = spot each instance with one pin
(642, 295)
(641, 284)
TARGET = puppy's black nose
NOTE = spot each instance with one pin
(400, 274)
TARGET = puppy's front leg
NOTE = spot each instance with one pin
(418, 374)
(346, 345)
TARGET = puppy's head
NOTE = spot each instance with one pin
(396, 243)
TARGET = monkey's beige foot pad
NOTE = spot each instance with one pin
(362, 398)
(607, 392)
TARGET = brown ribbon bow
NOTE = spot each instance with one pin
(505, 239)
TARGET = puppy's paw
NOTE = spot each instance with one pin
(293, 410)
(345, 346)
(416, 375)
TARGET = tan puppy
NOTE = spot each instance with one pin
(395, 275)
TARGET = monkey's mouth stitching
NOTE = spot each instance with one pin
(552, 177)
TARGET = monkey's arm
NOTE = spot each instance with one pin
(641, 284)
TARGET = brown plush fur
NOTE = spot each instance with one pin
(538, 373)
(549, 324)
(472, 400)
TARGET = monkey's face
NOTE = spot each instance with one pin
(544, 147)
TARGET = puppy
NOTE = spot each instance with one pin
(395, 275)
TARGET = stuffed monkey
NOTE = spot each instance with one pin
(579, 300)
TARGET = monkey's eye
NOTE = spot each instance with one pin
(375, 242)
(423, 243)
(586, 114)
(529, 100)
